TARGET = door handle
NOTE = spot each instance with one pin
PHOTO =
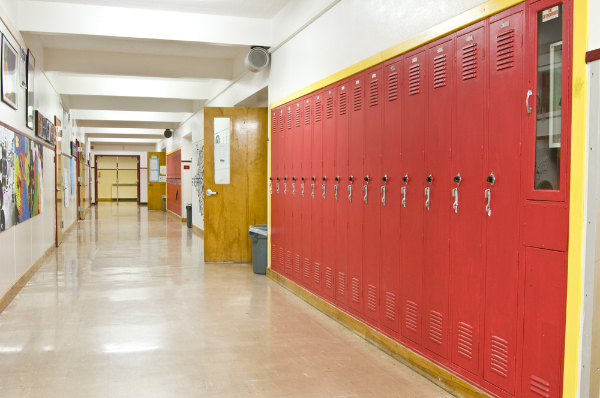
(150, 184)
(302, 187)
(488, 196)
(58, 189)
(350, 190)
(455, 196)
(427, 194)
(403, 192)
(312, 188)
(383, 195)
(366, 191)
(335, 188)
(293, 189)
(529, 94)
(210, 193)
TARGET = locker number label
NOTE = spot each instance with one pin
(505, 24)
(414, 60)
(440, 49)
(550, 13)
(373, 76)
(469, 38)
(358, 81)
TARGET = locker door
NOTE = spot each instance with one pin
(341, 205)
(327, 192)
(506, 102)
(467, 217)
(305, 191)
(281, 197)
(373, 181)
(287, 191)
(316, 199)
(356, 144)
(413, 167)
(438, 146)
(295, 188)
(390, 211)
(273, 190)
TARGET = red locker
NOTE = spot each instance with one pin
(390, 209)
(281, 197)
(506, 104)
(328, 194)
(287, 192)
(294, 186)
(467, 186)
(356, 142)
(414, 110)
(305, 190)
(545, 296)
(315, 192)
(438, 146)
(341, 182)
(273, 190)
(372, 184)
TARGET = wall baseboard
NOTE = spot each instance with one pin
(198, 231)
(175, 216)
(438, 375)
(22, 281)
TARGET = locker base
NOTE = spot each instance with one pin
(440, 376)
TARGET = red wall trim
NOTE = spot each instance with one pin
(592, 55)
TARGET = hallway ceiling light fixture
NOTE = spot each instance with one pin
(168, 133)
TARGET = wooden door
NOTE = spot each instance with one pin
(243, 201)
(156, 189)
(58, 182)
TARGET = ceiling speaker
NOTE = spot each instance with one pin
(257, 59)
(168, 133)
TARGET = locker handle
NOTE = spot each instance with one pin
(529, 94)
(302, 187)
(323, 188)
(488, 196)
(277, 188)
(350, 190)
(455, 196)
(270, 188)
(293, 189)
(427, 200)
(383, 195)
(285, 188)
(335, 188)
(403, 192)
(312, 187)
(366, 191)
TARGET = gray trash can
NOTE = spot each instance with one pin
(258, 233)
(188, 208)
(164, 203)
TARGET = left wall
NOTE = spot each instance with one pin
(26, 243)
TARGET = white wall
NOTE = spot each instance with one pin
(593, 25)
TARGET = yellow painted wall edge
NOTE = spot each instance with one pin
(578, 131)
(174, 150)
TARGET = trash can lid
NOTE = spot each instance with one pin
(259, 229)
(164, 196)
(188, 204)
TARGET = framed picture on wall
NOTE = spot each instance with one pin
(10, 74)
(30, 89)
(23, 67)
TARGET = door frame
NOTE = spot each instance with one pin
(96, 156)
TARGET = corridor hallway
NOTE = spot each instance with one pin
(126, 307)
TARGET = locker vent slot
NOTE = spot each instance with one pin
(328, 278)
(357, 98)
(390, 306)
(318, 111)
(273, 255)
(469, 61)
(393, 86)
(307, 114)
(539, 386)
(281, 122)
(435, 327)
(372, 298)
(288, 260)
(439, 71)
(341, 284)
(297, 263)
(355, 290)
(505, 43)
(274, 123)
(342, 103)
(499, 361)
(317, 274)
(297, 117)
(411, 316)
(414, 79)
(281, 256)
(329, 107)
(307, 268)
(465, 340)
(374, 93)
(289, 120)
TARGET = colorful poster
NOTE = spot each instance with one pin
(7, 179)
(72, 176)
(28, 178)
(36, 181)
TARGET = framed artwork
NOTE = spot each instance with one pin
(30, 89)
(39, 125)
(10, 77)
(23, 67)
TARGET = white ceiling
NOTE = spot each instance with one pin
(264, 9)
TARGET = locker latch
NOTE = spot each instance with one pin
(270, 184)
(278, 188)
(455, 196)
(383, 195)
(427, 200)
(294, 186)
(491, 179)
(335, 187)
(488, 196)
(403, 192)
(429, 179)
(312, 188)
(405, 178)
(365, 190)
(529, 94)
(302, 186)
(285, 188)
(323, 187)
(457, 179)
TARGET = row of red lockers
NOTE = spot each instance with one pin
(397, 195)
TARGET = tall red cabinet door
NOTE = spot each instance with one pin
(390, 209)
(467, 187)
(306, 199)
(281, 197)
(326, 186)
(356, 143)
(295, 188)
(287, 190)
(342, 184)
(506, 104)
(372, 183)
(414, 97)
(273, 191)
(315, 189)
(436, 265)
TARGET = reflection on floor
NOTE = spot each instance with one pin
(126, 307)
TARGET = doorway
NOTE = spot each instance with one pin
(117, 178)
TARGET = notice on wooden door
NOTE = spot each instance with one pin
(222, 160)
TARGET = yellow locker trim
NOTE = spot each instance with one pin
(174, 150)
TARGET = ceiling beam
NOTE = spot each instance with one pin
(133, 104)
(84, 114)
(127, 124)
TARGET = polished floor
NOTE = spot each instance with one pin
(127, 308)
